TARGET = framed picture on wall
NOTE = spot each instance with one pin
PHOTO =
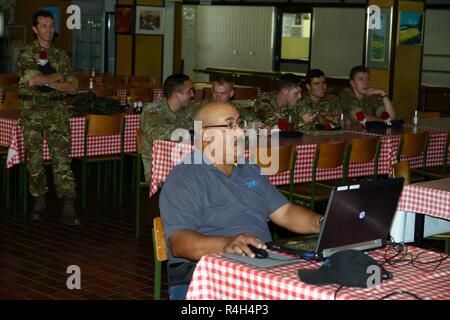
(124, 19)
(149, 20)
(410, 28)
(378, 42)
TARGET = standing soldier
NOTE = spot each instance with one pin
(46, 75)
(159, 119)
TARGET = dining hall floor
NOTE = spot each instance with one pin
(34, 256)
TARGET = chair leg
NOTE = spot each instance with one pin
(120, 180)
(114, 177)
(8, 187)
(133, 173)
(99, 175)
(83, 184)
(157, 283)
(23, 186)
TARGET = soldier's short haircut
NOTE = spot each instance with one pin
(222, 79)
(288, 81)
(357, 69)
(41, 13)
(313, 73)
(174, 83)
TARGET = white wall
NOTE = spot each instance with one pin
(437, 42)
(337, 45)
(229, 37)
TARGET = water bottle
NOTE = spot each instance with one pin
(91, 83)
(416, 118)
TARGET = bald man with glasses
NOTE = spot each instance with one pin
(216, 205)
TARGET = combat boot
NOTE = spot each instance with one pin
(39, 209)
(68, 215)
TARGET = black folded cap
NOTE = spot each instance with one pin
(348, 268)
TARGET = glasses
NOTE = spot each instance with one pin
(240, 123)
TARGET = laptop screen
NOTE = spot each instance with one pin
(359, 213)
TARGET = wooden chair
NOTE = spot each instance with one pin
(361, 151)
(430, 114)
(103, 91)
(327, 156)
(401, 169)
(8, 79)
(83, 79)
(160, 254)
(11, 100)
(414, 145)
(103, 125)
(438, 172)
(146, 93)
(142, 79)
(245, 93)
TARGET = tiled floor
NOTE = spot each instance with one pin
(34, 256)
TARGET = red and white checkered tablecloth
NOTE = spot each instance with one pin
(435, 154)
(11, 136)
(166, 154)
(431, 198)
(220, 278)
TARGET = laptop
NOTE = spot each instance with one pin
(358, 217)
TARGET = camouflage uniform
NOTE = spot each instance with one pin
(158, 122)
(268, 111)
(370, 105)
(325, 108)
(43, 109)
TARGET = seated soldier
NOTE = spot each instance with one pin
(159, 119)
(222, 90)
(362, 103)
(219, 206)
(315, 107)
(272, 106)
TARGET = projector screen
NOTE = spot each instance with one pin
(2, 24)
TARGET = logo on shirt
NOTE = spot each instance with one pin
(250, 184)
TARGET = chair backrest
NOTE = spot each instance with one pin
(83, 79)
(10, 100)
(364, 150)
(286, 157)
(104, 125)
(331, 155)
(401, 169)
(159, 240)
(412, 144)
(430, 114)
(245, 93)
(103, 91)
(142, 79)
(139, 140)
(7, 79)
(145, 92)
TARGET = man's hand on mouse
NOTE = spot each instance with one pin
(239, 244)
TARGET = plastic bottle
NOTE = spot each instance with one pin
(342, 120)
(91, 83)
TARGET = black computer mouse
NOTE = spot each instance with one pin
(259, 253)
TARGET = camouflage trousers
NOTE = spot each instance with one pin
(54, 120)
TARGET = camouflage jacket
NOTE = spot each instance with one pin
(325, 108)
(269, 112)
(28, 67)
(157, 122)
(349, 103)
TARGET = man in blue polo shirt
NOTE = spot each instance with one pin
(218, 206)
